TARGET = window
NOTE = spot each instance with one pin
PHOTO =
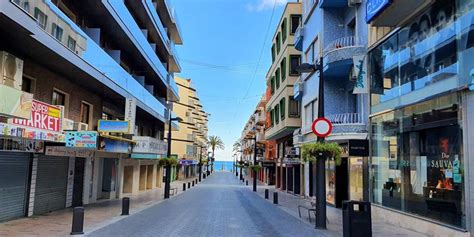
(308, 115)
(59, 98)
(190, 150)
(295, 23)
(272, 117)
(272, 82)
(278, 42)
(86, 112)
(57, 32)
(28, 85)
(294, 108)
(277, 78)
(282, 109)
(309, 54)
(273, 53)
(283, 30)
(277, 114)
(283, 69)
(71, 43)
(41, 18)
(295, 61)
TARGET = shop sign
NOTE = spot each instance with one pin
(130, 111)
(15, 103)
(115, 126)
(116, 146)
(67, 152)
(375, 7)
(291, 161)
(360, 73)
(83, 139)
(359, 148)
(149, 145)
(145, 156)
(21, 144)
(187, 162)
(43, 116)
(30, 133)
(267, 164)
(292, 152)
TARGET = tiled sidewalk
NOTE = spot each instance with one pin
(97, 215)
(289, 203)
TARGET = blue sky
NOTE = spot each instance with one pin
(222, 44)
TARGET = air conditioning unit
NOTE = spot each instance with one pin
(353, 3)
(11, 69)
(81, 126)
(68, 124)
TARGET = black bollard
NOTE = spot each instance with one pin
(266, 193)
(275, 197)
(196, 181)
(193, 183)
(125, 206)
(247, 182)
(204, 175)
(77, 221)
(184, 186)
(189, 185)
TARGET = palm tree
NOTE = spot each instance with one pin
(215, 142)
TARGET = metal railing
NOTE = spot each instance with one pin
(344, 42)
(347, 118)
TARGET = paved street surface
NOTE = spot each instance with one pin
(220, 206)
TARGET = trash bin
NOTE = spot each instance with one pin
(356, 219)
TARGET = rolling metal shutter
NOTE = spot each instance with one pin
(14, 172)
(51, 184)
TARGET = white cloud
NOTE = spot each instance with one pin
(262, 5)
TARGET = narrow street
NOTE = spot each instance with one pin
(220, 206)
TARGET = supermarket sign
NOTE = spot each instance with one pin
(43, 116)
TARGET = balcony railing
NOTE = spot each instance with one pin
(344, 42)
(348, 118)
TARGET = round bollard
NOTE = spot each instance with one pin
(77, 221)
(275, 197)
(196, 181)
(125, 206)
(189, 185)
(184, 186)
(266, 193)
(192, 183)
(204, 176)
(247, 182)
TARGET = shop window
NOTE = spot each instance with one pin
(417, 162)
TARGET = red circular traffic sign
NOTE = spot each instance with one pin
(322, 127)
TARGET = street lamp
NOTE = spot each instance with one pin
(320, 161)
(254, 171)
(200, 163)
(168, 165)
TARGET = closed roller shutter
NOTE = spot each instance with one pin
(14, 172)
(51, 184)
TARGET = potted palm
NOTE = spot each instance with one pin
(331, 150)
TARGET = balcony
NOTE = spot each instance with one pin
(170, 19)
(332, 3)
(338, 55)
(93, 66)
(260, 136)
(298, 39)
(260, 117)
(348, 123)
(173, 94)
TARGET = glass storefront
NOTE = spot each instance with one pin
(356, 183)
(417, 165)
(331, 182)
(432, 54)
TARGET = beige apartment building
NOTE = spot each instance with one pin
(283, 108)
(191, 139)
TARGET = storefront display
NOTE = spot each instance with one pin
(417, 164)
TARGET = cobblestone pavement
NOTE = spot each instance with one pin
(220, 206)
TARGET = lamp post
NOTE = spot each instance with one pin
(200, 164)
(255, 163)
(321, 160)
(168, 166)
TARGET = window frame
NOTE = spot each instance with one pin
(300, 18)
(272, 85)
(66, 100)
(282, 109)
(284, 29)
(283, 69)
(277, 78)
(36, 14)
(278, 42)
(54, 31)
(91, 112)
(290, 66)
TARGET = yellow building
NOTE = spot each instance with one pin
(283, 108)
(190, 140)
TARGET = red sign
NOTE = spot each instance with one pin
(43, 116)
(322, 127)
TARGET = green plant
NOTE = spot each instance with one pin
(331, 150)
(167, 161)
(255, 168)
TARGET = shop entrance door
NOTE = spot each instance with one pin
(297, 177)
(78, 187)
(342, 182)
(290, 179)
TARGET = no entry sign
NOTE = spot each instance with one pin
(322, 127)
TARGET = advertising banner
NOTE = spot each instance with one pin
(30, 133)
(111, 145)
(21, 144)
(82, 139)
(130, 112)
(43, 116)
(116, 126)
(375, 7)
(15, 103)
(360, 72)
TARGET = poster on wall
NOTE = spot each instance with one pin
(15, 103)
